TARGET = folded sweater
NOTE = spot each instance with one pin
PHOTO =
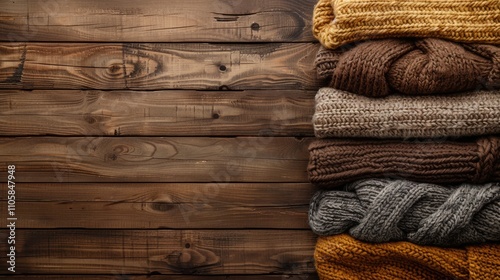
(383, 210)
(415, 67)
(338, 22)
(343, 114)
(340, 257)
(336, 162)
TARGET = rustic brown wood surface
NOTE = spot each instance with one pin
(158, 139)
(235, 194)
(145, 159)
(157, 21)
(158, 66)
(157, 215)
(161, 113)
(164, 251)
(179, 206)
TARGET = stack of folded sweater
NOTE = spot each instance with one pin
(409, 160)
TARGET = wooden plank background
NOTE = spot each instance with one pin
(158, 159)
(165, 205)
(158, 66)
(158, 140)
(156, 113)
(157, 21)
(165, 251)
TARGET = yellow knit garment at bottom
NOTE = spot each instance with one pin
(343, 257)
(338, 22)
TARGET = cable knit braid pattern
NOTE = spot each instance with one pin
(343, 114)
(384, 210)
(337, 162)
(341, 257)
(338, 22)
(413, 67)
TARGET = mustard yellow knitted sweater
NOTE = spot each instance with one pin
(338, 22)
(340, 257)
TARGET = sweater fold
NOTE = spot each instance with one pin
(336, 162)
(339, 22)
(412, 67)
(384, 210)
(340, 257)
(343, 114)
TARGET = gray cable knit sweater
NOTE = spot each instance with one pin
(382, 210)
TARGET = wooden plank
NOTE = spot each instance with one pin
(156, 21)
(156, 215)
(226, 194)
(146, 159)
(179, 206)
(210, 252)
(156, 113)
(119, 275)
(158, 66)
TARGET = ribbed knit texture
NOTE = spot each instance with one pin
(383, 210)
(340, 257)
(334, 163)
(338, 22)
(343, 114)
(414, 67)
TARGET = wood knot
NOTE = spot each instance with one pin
(189, 260)
(114, 68)
(111, 156)
(162, 206)
(122, 149)
(255, 26)
(185, 256)
(89, 119)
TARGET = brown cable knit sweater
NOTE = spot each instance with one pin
(333, 162)
(415, 67)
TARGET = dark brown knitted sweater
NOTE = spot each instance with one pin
(333, 162)
(415, 67)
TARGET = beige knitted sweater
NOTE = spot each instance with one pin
(343, 114)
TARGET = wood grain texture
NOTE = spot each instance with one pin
(151, 206)
(157, 21)
(158, 66)
(208, 252)
(226, 194)
(158, 139)
(156, 113)
(146, 159)
(156, 215)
